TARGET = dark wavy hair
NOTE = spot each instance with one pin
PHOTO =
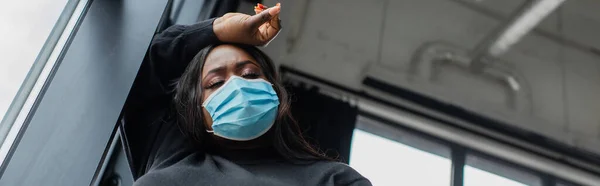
(286, 135)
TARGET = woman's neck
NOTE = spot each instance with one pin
(245, 151)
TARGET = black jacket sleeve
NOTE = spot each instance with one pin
(169, 54)
(174, 48)
(146, 122)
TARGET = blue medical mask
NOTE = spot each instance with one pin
(242, 109)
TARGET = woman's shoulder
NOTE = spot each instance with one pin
(341, 173)
(331, 164)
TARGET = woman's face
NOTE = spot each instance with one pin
(221, 63)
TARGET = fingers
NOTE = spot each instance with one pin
(260, 18)
(275, 22)
(259, 8)
(272, 29)
(258, 11)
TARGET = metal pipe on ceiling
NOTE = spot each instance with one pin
(526, 18)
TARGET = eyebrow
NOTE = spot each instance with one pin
(238, 65)
(214, 70)
(241, 64)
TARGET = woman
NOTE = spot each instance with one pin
(231, 123)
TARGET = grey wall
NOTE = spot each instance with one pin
(559, 63)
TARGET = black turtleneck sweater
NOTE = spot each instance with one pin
(158, 152)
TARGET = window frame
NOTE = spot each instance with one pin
(46, 58)
(112, 169)
(495, 165)
(406, 136)
(403, 135)
(446, 128)
(66, 134)
(458, 153)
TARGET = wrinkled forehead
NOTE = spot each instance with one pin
(225, 55)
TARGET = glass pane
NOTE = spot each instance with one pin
(478, 177)
(387, 162)
(26, 25)
(483, 171)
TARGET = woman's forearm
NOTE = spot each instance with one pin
(174, 48)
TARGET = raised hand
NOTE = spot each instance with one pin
(257, 29)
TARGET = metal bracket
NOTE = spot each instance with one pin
(432, 57)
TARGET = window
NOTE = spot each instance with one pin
(392, 155)
(61, 138)
(27, 30)
(406, 160)
(27, 25)
(482, 171)
(392, 144)
(474, 177)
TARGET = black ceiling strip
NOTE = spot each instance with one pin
(574, 153)
(396, 126)
(284, 69)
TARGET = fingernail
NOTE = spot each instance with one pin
(278, 4)
(274, 10)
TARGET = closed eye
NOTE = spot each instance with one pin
(214, 84)
(250, 75)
